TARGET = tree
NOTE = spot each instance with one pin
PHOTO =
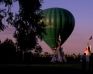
(27, 22)
(7, 52)
(1, 24)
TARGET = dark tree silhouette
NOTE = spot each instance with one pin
(7, 52)
(38, 49)
(1, 24)
(27, 22)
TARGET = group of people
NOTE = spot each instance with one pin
(58, 53)
(87, 57)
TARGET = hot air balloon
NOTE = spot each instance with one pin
(59, 23)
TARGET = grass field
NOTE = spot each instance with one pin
(41, 66)
(63, 68)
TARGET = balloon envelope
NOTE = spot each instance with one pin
(59, 22)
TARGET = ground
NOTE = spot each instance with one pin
(45, 68)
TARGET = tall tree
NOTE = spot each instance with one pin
(7, 52)
(27, 22)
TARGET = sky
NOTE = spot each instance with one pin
(83, 13)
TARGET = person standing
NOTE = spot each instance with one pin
(84, 62)
(91, 63)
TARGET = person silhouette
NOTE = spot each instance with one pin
(91, 63)
(84, 62)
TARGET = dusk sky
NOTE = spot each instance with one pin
(83, 13)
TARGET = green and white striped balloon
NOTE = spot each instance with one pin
(58, 21)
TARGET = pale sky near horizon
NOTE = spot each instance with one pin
(83, 13)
